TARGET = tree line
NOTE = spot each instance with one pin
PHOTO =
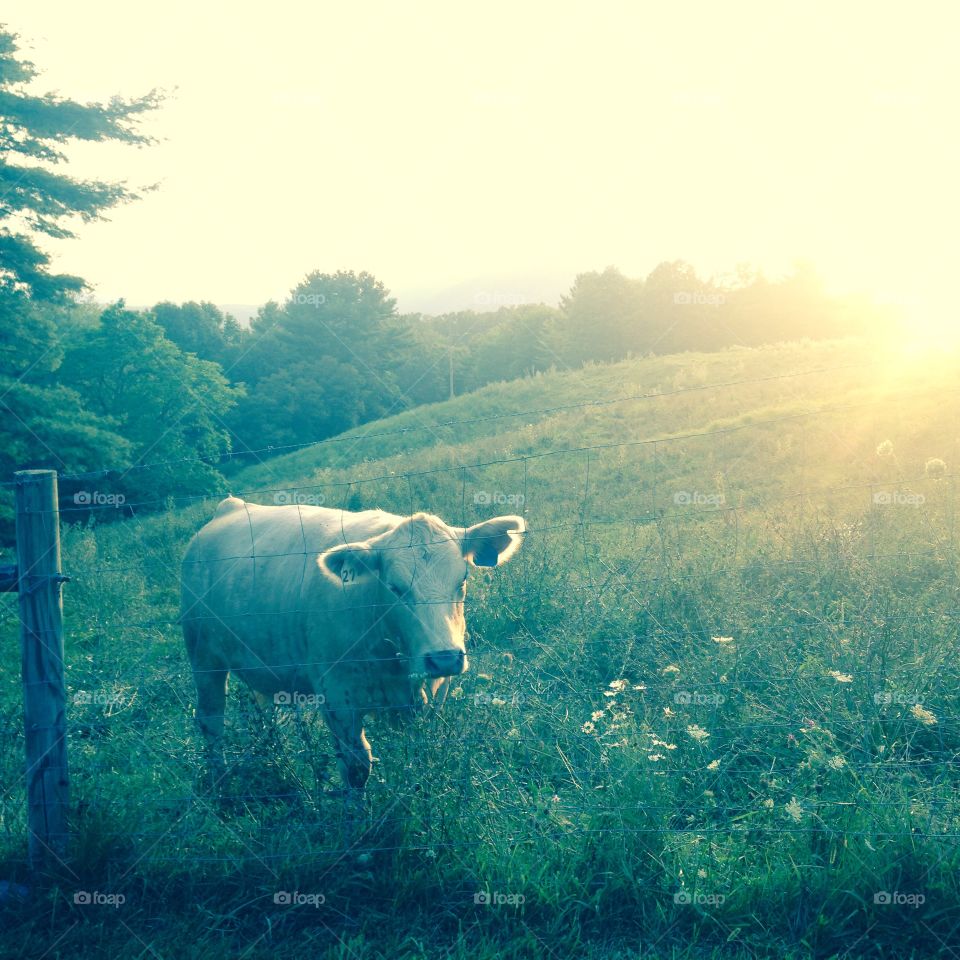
(187, 386)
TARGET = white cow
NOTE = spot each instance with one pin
(356, 612)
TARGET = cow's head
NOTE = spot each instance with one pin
(420, 570)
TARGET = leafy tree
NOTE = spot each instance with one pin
(200, 328)
(484, 347)
(433, 344)
(679, 311)
(343, 315)
(520, 345)
(306, 401)
(170, 405)
(464, 328)
(32, 194)
(340, 326)
(421, 365)
(802, 308)
(600, 316)
(42, 423)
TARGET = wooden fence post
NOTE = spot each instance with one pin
(44, 690)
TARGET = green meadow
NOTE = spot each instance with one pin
(713, 708)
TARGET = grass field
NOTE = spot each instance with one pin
(713, 708)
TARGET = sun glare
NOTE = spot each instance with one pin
(922, 341)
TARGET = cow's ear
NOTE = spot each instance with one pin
(349, 562)
(494, 541)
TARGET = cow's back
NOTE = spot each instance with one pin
(250, 580)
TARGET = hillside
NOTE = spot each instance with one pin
(761, 423)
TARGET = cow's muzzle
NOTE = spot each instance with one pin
(444, 663)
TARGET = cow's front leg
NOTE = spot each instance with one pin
(353, 751)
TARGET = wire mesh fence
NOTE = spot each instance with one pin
(708, 656)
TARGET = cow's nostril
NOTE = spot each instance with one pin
(444, 663)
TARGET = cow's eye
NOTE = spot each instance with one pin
(398, 591)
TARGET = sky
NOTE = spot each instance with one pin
(498, 150)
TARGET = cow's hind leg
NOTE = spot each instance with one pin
(211, 705)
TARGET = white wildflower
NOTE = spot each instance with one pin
(923, 715)
(697, 732)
